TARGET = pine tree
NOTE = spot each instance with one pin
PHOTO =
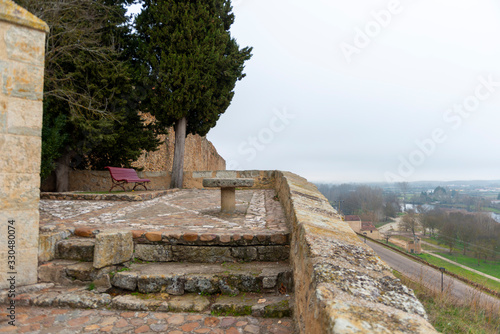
(89, 100)
(190, 64)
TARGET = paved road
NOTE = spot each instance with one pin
(430, 277)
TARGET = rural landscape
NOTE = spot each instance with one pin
(457, 226)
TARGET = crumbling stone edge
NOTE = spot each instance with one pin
(341, 285)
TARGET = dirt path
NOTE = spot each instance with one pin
(391, 226)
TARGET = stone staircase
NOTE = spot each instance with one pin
(218, 274)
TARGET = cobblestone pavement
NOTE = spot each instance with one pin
(195, 211)
(68, 321)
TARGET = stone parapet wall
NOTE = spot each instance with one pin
(341, 285)
(87, 180)
(22, 52)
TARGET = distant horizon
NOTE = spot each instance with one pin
(420, 181)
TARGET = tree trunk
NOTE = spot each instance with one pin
(62, 172)
(178, 164)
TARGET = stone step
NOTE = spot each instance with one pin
(210, 254)
(174, 278)
(82, 249)
(255, 304)
(225, 278)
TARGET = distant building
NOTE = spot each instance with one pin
(414, 246)
(354, 221)
(370, 230)
(362, 227)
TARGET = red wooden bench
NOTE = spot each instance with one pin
(121, 176)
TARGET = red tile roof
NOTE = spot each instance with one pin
(368, 226)
(351, 218)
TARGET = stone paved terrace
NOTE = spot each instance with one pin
(196, 211)
(71, 321)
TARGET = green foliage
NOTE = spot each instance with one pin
(54, 139)
(90, 101)
(190, 62)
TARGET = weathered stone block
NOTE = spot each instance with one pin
(227, 182)
(155, 253)
(249, 173)
(21, 80)
(19, 191)
(12, 14)
(125, 280)
(273, 253)
(54, 271)
(245, 253)
(223, 174)
(202, 254)
(102, 283)
(47, 244)
(21, 154)
(173, 285)
(192, 303)
(83, 271)
(269, 282)
(76, 249)
(24, 117)
(202, 174)
(25, 45)
(201, 284)
(113, 247)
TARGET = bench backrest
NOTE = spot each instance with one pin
(118, 173)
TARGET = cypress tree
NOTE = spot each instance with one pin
(190, 65)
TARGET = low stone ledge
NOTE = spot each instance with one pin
(341, 285)
(227, 183)
(211, 239)
(128, 197)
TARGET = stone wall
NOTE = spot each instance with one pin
(22, 51)
(101, 181)
(200, 154)
(341, 285)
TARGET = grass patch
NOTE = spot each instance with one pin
(491, 210)
(488, 267)
(489, 283)
(449, 315)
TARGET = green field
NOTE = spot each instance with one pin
(488, 267)
(489, 283)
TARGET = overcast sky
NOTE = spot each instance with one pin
(366, 90)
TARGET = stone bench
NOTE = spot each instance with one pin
(228, 190)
